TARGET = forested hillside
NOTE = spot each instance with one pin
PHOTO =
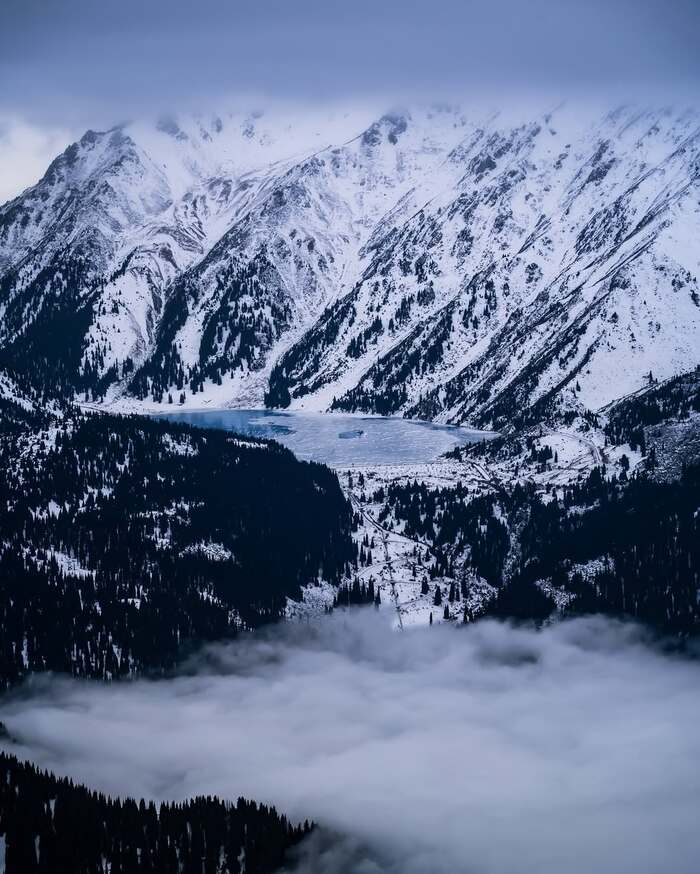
(126, 539)
(625, 546)
(675, 399)
(51, 826)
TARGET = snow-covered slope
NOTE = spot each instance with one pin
(562, 261)
(436, 262)
(291, 252)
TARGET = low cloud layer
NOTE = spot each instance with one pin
(62, 57)
(70, 65)
(26, 151)
(488, 749)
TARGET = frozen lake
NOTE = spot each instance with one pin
(339, 440)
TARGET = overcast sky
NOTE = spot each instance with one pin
(66, 65)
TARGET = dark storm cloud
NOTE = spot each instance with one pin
(481, 750)
(74, 56)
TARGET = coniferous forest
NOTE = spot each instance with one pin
(627, 546)
(128, 540)
(52, 826)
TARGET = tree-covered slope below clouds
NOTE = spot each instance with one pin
(48, 824)
(123, 539)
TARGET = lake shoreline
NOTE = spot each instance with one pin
(335, 438)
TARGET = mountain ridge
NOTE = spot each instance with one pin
(434, 264)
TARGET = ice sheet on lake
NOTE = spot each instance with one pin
(324, 436)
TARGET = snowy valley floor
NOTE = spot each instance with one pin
(400, 563)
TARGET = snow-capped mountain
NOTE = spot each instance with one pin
(435, 262)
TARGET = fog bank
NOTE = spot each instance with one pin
(485, 749)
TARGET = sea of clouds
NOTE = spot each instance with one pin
(480, 749)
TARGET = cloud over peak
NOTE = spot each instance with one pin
(80, 58)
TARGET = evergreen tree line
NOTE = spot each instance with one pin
(294, 365)
(384, 391)
(46, 344)
(248, 318)
(52, 826)
(125, 539)
(455, 523)
(676, 399)
(644, 536)
(623, 546)
(357, 593)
